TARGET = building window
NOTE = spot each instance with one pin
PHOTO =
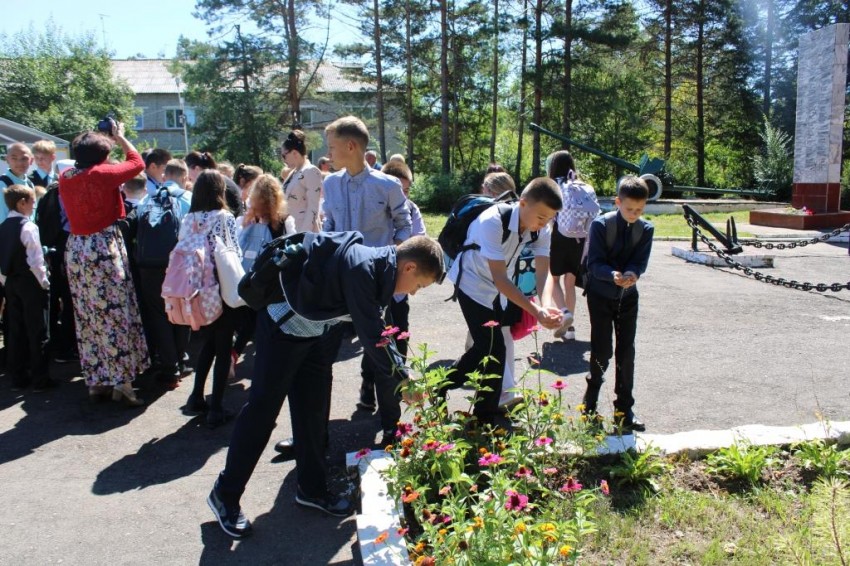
(174, 118)
(309, 116)
(140, 119)
(364, 112)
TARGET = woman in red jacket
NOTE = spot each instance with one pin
(109, 329)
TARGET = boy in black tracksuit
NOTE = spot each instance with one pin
(612, 297)
(338, 279)
(24, 273)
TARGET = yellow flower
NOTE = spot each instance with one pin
(619, 414)
(519, 528)
(420, 546)
(557, 417)
(583, 418)
(580, 407)
(478, 523)
(547, 527)
(442, 531)
(550, 539)
(565, 550)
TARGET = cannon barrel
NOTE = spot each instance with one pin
(615, 160)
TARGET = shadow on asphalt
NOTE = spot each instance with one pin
(66, 411)
(565, 358)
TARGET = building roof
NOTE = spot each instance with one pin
(11, 132)
(151, 76)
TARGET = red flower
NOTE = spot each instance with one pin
(523, 472)
(542, 441)
(491, 324)
(516, 501)
(363, 452)
(410, 497)
(381, 538)
(571, 486)
(603, 487)
(402, 532)
(383, 343)
(390, 331)
(559, 384)
(403, 336)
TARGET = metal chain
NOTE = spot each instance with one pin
(778, 281)
(797, 244)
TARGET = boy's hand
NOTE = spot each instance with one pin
(550, 317)
(631, 277)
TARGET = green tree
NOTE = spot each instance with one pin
(59, 84)
(233, 87)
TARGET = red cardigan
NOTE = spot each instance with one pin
(92, 198)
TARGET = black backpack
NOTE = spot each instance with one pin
(158, 227)
(48, 218)
(276, 261)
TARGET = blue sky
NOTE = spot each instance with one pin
(149, 27)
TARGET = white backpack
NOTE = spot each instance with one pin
(190, 290)
(580, 208)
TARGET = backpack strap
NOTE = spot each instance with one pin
(611, 230)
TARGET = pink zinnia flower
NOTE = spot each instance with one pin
(536, 328)
(431, 445)
(516, 501)
(603, 487)
(491, 324)
(523, 472)
(489, 460)
(571, 486)
(542, 441)
(390, 331)
(383, 343)
(402, 532)
(403, 428)
(550, 471)
(445, 447)
(559, 384)
(445, 490)
(403, 336)
(363, 452)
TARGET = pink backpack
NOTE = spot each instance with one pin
(191, 293)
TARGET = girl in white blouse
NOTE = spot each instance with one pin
(303, 185)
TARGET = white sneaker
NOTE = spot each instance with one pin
(566, 325)
(570, 334)
(508, 399)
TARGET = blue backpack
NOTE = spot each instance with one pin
(159, 224)
(251, 240)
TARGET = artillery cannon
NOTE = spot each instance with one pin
(651, 170)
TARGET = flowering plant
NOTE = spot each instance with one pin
(478, 494)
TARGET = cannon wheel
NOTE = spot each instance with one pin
(654, 184)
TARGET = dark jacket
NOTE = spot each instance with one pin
(340, 276)
(622, 256)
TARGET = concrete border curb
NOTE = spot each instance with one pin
(381, 514)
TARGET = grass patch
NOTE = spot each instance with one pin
(666, 225)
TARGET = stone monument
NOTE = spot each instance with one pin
(821, 85)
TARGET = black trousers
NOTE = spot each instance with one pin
(486, 343)
(609, 318)
(217, 341)
(63, 332)
(26, 313)
(169, 341)
(388, 399)
(284, 365)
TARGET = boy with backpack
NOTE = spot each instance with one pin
(150, 231)
(314, 282)
(156, 161)
(483, 274)
(24, 274)
(569, 236)
(618, 253)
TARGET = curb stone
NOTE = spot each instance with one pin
(379, 513)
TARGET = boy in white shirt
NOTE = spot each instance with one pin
(484, 280)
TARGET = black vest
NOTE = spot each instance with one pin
(37, 180)
(13, 254)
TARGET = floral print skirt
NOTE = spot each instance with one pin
(109, 329)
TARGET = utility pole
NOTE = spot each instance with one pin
(182, 115)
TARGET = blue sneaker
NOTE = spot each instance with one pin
(232, 521)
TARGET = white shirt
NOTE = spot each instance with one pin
(35, 256)
(486, 231)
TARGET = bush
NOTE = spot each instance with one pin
(774, 167)
(437, 193)
(742, 462)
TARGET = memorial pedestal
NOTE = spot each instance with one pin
(777, 218)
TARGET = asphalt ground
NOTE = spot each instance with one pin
(84, 483)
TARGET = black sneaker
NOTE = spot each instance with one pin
(330, 504)
(232, 521)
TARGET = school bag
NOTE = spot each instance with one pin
(158, 227)
(610, 220)
(191, 293)
(580, 208)
(277, 261)
(252, 238)
(48, 218)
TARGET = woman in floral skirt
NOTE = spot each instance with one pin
(109, 330)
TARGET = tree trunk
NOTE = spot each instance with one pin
(494, 116)
(293, 48)
(409, 87)
(382, 141)
(668, 79)
(444, 88)
(768, 59)
(248, 97)
(700, 141)
(568, 70)
(538, 86)
(522, 83)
